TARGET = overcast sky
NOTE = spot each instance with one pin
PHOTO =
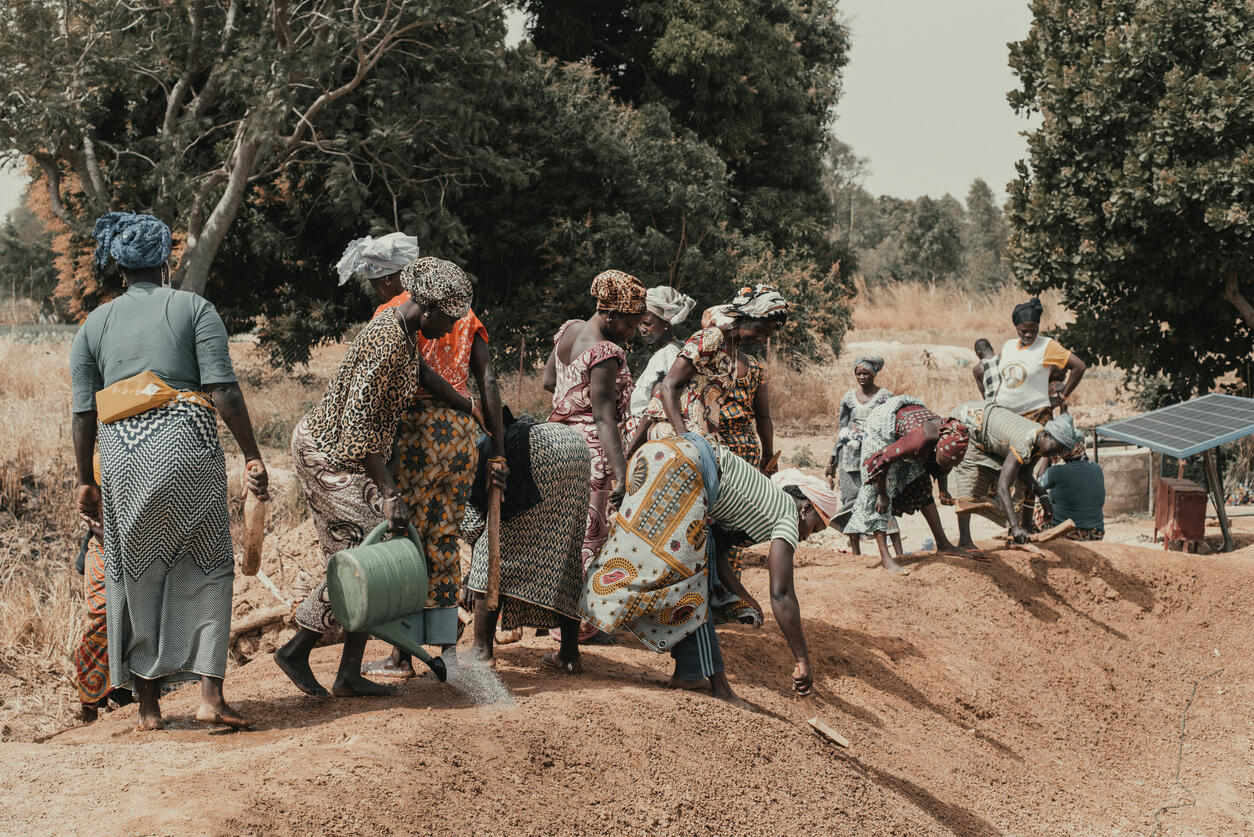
(924, 96)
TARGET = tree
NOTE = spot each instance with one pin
(931, 247)
(191, 109)
(1137, 200)
(984, 237)
(757, 80)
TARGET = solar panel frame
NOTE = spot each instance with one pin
(1188, 428)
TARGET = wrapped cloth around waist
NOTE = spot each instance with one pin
(139, 394)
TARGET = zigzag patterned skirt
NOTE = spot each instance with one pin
(168, 559)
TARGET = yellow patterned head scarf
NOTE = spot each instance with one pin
(618, 291)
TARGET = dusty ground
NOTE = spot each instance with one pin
(1026, 696)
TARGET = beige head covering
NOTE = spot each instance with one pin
(669, 304)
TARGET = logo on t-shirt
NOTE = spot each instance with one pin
(1013, 374)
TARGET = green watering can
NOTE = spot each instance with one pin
(374, 587)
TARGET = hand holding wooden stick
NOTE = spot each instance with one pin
(495, 492)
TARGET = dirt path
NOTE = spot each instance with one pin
(1031, 695)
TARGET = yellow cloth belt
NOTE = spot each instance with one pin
(139, 394)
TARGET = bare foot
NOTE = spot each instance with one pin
(722, 690)
(892, 566)
(299, 672)
(89, 713)
(690, 685)
(148, 723)
(553, 660)
(968, 545)
(481, 655)
(223, 714)
(360, 687)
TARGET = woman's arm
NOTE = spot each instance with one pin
(978, 372)
(1009, 473)
(87, 496)
(395, 512)
(550, 371)
(441, 390)
(228, 398)
(485, 377)
(766, 426)
(1075, 371)
(676, 379)
(786, 609)
(601, 393)
(727, 577)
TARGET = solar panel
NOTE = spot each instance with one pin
(1188, 428)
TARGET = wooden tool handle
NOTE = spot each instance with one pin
(494, 540)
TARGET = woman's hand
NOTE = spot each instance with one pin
(87, 498)
(396, 513)
(881, 504)
(476, 412)
(944, 498)
(617, 495)
(802, 681)
(498, 470)
(257, 478)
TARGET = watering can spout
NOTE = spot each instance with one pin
(406, 634)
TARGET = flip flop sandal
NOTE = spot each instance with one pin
(551, 660)
(385, 668)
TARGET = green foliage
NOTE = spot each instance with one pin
(26, 257)
(984, 238)
(1137, 200)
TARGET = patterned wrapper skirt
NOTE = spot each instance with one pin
(600, 485)
(438, 457)
(169, 565)
(541, 548)
(345, 507)
(91, 658)
(652, 575)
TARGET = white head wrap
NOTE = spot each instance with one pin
(371, 258)
(669, 304)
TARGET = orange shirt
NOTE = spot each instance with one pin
(450, 355)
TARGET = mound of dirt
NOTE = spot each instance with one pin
(1029, 695)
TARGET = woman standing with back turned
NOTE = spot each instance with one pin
(150, 372)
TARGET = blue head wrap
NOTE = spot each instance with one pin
(133, 241)
(1064, 430)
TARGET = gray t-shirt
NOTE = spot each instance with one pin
(175, 334)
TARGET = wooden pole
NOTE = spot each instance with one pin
(1217, 494)
(494, 538)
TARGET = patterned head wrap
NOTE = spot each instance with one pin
(1028, 312)
(824, 500)
(372, 258)
(619, 292)
(669, 304)
(718, 316)
(875, 364)
(760, 302)
(438, 283)
(1064, 430)
(133, 241)
(951, 447)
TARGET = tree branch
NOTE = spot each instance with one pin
(179, 92)
(1232, 293)
(205, 99)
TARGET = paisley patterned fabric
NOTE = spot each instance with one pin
(572, 406)
(360, 411)
(91, 658)
(703, 397)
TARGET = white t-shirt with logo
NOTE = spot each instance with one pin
(1025, 373)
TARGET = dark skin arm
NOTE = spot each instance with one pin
(228, 399)
(1009, 473)
(786, 609)
(766, 426)
(395, 512)
(727, 576)
(1034, 490)
(485, 378)
(978, 372)
(440, 389)
(1075, 371)
(601, 392)
(672, 385)
(550, 372)
(87, 496)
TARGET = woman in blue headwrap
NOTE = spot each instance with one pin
(151, 373)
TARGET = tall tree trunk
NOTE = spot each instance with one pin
(202, 245)
(1232, 293)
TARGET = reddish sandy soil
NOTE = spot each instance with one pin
(1028, 696)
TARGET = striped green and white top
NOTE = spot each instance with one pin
(749, 502)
